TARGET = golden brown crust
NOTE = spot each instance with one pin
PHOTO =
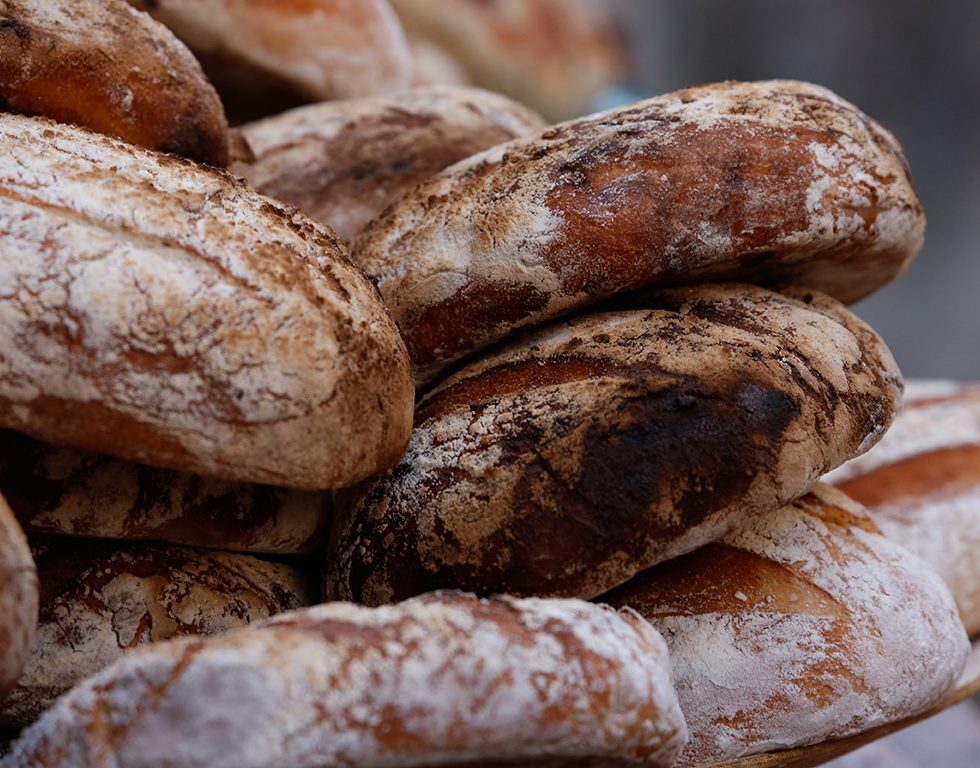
(553, 55)
(18, 599)
(343, 162)
(768, 181)
(313, 49)
(165, 313)
(922, 484)
(65, 491)
(806, 625)
(102, 599)
(102, 65)
(443, 680)
(587, 451)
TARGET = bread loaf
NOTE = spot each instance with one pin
(806, 625)
(553, 55)
(442, 680)
(282, 52)
(922, 485)
(71, 492)
(764, 181)
(102, 65)
(343, 162)
(18, 599)
(570, 460)
(100, 600)
(165, 313)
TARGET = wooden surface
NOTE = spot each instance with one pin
(818, 754)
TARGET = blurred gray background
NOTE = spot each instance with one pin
(915, 67)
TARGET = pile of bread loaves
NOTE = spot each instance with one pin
(552, 406)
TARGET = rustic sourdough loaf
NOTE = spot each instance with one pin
(264, 54)
(807, 624)
(343, 162)
(100, 600)
(577, 456)
(165, 313)
(922, 485)
(441, 680)
(770, 181)
(105, 66)
(18, 599)
(66, 491)
(553, 55)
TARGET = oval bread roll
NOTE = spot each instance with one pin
(18, 599)
(343, 162)
(806, 625)
(771, 181)
(70, 492)
(315, 49)
(442, 680)
(102, 65)
(570, 460)
(165, 313)
(100, 600)
(553, 55)
(922, 485)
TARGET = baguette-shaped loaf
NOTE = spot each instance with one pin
(806, 625)
(553, 55)
(314, 49)
(922, 485)
(444, 680)
(165, 313)
(18, 599)
(105, 66)
(343, 162)
(769, 181)
(590, 450)
(100, 600)
(66, 491)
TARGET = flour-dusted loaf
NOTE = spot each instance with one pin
(100, 600)
(103, 65)
(765, 181)
(922, 485)
(553, 55)
(583, 453)
(66, 491)
(18, 599)
(165, 313)
(343, 162)
(263, 54)
(443, 680)
(808, 624)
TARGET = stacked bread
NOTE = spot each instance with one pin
(632, 367)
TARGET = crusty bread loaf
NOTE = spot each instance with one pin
(433, 64)
(922, 485)
(343, 162)
(765, 181)
(553, 55)
(565, 463)
(165, 313)
(101, 599)
(442, 680)
(18, 599)
(806, 625)
(102, 65)
(312, 50)
(71, 492)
